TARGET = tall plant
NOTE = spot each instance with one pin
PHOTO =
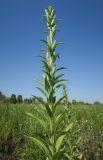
(54, 130)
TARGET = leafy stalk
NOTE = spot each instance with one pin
(54, 148)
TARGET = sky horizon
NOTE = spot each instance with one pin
(81, 30)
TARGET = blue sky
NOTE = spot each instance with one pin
(81, 29)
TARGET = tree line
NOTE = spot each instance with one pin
(15, 99)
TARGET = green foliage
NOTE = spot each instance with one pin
(1, 96)
(14, 122)
(74, 101)
(19, 99)
(28, 100)
(54, 146)
(13, 99)
(57, 130)
(4, 99)
(96, 102)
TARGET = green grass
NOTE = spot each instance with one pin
(90, 121)
(15, 125)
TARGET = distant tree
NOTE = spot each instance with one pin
(87, 103)
(13, 99)
(28, 100)
(2, 97)
(69, 103)
(96, 102)
(19, 99)
(0, 93)
(81, 102)
(74, 101)
(25, 100)
(34, 100)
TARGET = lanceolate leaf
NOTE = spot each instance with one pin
(47, 86)
(42, 91)
(61, 80)
(42, 146)
(68, 127)
(40, 100)
(58, 155)
(58, 102)
(54, 44)
(43, 50)
(59, 142)
(42, 57)
(48, 110)
(58, 69)
(60, 139)
(58, 120)
(59, 76)
(68, 157)
(51, 97)
(40, 82)
(57, 88)
(47, 73)
(41, 121)
(58, 117)
(60, 43)
(44, 41)
(46, 65)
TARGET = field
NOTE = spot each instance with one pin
(15, 126)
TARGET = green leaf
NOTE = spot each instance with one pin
(42, 91)
(54, 44)
(68, 127)
(42, 57)
(57, 88)
(59, 118)
(48, 110)
(43, 50)
(40, 100)
(52, 13)
(60, 139)
(45, 41)
(39, 81)
(60, 43)
(46, 12)
(51, 97)
(67, 156)
(59, 142)
(41, 122)
(47, 86)
(78, 140)
(59, 76)
(80, 156)
(61, 80)
(46, 65)
(60, 68)
(47, 73)
(42, 146)
(58, 102)
(58, 155)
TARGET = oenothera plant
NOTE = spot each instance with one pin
(54, 128)
(73, 142)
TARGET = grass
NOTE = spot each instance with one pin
(90, 120)
(15, 124)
